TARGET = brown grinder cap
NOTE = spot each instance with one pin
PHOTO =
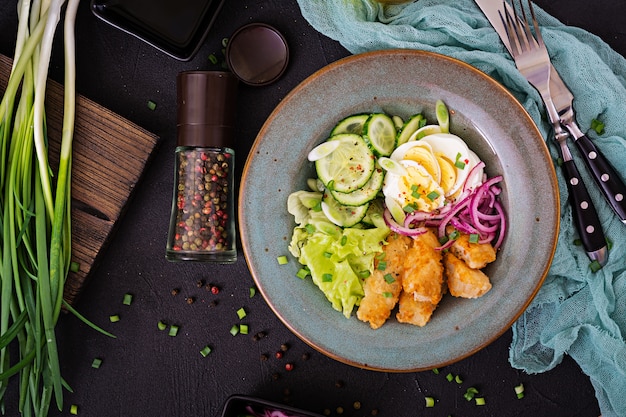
(257, 54)
(206, 108)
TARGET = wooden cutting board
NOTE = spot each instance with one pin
(109, 157)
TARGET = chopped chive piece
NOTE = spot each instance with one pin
(474, 237)
(595, 266)
(479, 401)
(151, 105)
(519, 391)
(302, 273)
(327, 254)
(344, 240)
(310, 228)
(205, 351)
(470, 393)
(520, 395)
(114, 318)
(74, 266)
(382, 265)
(430, 402)
(96, 363)
(458, 379)
(436, 371)
(173, 330)
(598, 126)
(389, 279)
(241, 313)
(327, 278)
(128, 299)
(449, 377)
(162, 325)
(74, 409)
(364, 274)
(432, 196)
(243, 329)
(282, 260)
(234, 330)
(224, 42)
(408, 208)
(252, 292)
(213, 59)
(578, 242)
(387, 294)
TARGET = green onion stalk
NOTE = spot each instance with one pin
(35, 210)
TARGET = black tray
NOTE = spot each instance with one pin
(175, 27)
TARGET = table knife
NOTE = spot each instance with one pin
(603, 173)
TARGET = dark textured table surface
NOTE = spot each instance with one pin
(145, 372)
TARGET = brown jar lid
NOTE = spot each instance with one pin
(206, 112)
(257, 54)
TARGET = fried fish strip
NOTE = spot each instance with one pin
(414, 312)
(383, 287)
(464, 281)
(475, 255)
(423, 271)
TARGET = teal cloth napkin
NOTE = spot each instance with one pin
(576, 312)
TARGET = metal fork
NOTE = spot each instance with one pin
(532, 60)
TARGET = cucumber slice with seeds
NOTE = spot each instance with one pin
(415, 122)
(380, 134)
(343, 216)
(347, 168)
(351, 124)
(364, 194)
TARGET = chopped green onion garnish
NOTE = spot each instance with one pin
(344, 240)
(224, 42)
(458, 163)
(205, 351)
(302, 273)
(470, 393)
(128, 299)
(114, 318)
(243, 329)
(74, 266)
(161, 325)
(241, 313)
(282, 260)
(364, 274)
(173, 330)
(252, 292)
(595, 266)
(310, 228)
(389, 279)
(436, 371)
(432, 196)
(387, 294)
(598, 126)
(474, 237)
(430, 402)
(151, 105)
(382, 265)
(213, 59)
(458, 379)
(234, 330)
(327, 278)
(479, 401)
(327, 254)
(74, 409)
(408, 208)
(519, 391)
(449, 377)
(96, 363)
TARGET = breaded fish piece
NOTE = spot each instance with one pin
(423, 271)
(383, 287)
(414, 312)
(475, 255)
(464, 281)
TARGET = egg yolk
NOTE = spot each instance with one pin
(419, 190)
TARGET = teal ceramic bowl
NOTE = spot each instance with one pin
(400, 82)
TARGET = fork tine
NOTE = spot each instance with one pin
(535, 24)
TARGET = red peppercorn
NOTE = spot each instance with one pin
(215, 289)
(278, 354)
(289, 366)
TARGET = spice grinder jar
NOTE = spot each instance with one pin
(202, 221)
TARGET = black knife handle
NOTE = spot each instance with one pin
(584, 212)
(605, 176)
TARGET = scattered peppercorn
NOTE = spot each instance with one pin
(339, 384)
(289, 366)
(374, 412)
(258, 336)
(278, 355)
(284, 347)
(213, 303)
(276, 376)
(215, 289)
(326, 412)
(305, 356)
(264, 357)
(356, 405)
(339, 410)
(190, 300)
(200, 284)
(175, 291)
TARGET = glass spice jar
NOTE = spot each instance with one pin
(202, 222)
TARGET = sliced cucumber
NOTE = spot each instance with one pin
(380, 134)
(410, 127)
(348, 167)
(374, 214)
(364, 194)
(351, 124)
(343, 216)
(443, 116)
